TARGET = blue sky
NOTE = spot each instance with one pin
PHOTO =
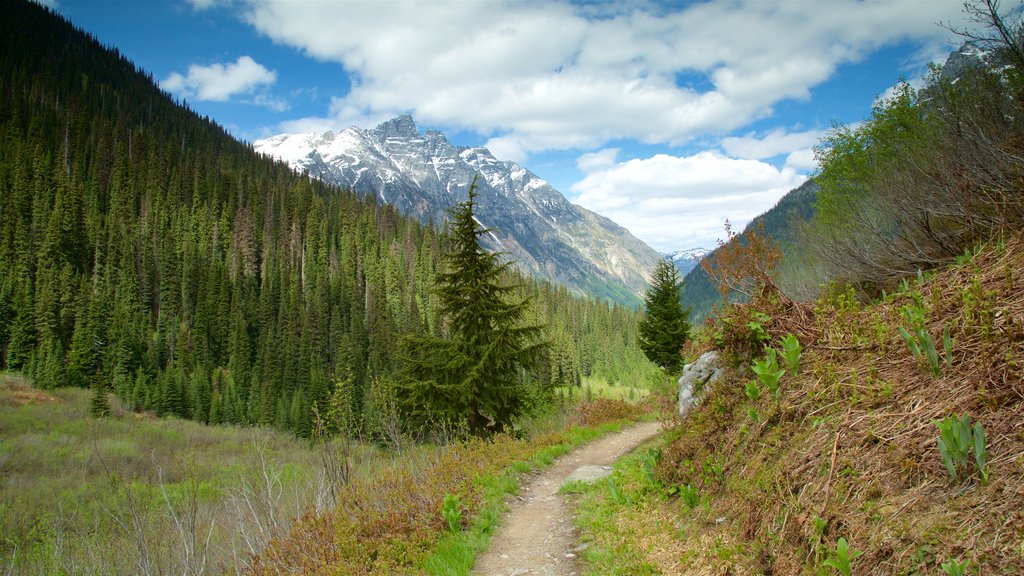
(666, 117)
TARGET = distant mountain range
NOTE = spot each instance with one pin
(423, 174)
(686, 260)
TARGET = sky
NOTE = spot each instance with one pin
(667, 117)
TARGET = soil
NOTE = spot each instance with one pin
(538, 535)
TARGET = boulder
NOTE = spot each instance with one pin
(697, 377)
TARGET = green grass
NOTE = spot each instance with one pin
(599, 388)
(612, 548)
(455, 553)
(75, 488)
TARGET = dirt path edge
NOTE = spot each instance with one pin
(537, 535)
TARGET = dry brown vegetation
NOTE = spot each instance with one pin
(853, 439)
(390, 520)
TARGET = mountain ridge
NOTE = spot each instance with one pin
(422, 174)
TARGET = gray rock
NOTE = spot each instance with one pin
(696, 379)
(589, 473)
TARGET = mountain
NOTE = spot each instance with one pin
(780, 223)
(423, 174)
(146, 253)
(685, 260)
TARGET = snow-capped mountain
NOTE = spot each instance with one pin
(686, 260)
(422, 174)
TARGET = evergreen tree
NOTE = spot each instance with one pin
(478, 374)
(665, 325)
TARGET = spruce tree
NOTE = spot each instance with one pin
(665, 325)
(477, 375)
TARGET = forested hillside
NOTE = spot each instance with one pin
(145, 252)
(781, 223)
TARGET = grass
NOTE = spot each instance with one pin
(456, 553)
(82, 495)
(392, 522)
(134, 494)
(848, 451)
(600, 388)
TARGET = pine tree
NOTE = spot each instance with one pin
(665, 325)
(477, 375)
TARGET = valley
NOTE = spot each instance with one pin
(255, 319)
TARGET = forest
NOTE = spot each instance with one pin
(147, 254)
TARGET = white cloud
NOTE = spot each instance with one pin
(772, 144)
(674, 202)
(801, 160)
(220, 82)
(207, 4)
(597, 160)
(551, 75)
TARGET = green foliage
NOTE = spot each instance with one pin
(616, 493)
(840, 558)
(791, 352)
(144, 249)
(451, 509)
(480, 374)
(919, 341)
(752, 390)
(665, 325)
(954, 568)
(690, 495)
(768, 372)
(956, 441)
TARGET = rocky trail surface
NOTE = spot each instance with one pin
(538, 536)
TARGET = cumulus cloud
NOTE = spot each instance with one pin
(221, 82)
(677, 202)
(555, 75)
(774, 143)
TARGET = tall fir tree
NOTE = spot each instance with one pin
(478, 374)
(666, 324)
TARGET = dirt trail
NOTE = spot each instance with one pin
(537, 535)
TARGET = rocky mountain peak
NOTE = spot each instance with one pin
(403, 127)
(532, 223)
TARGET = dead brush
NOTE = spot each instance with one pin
(604, 410)
(387, 520)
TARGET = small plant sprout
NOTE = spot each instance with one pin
(840, 558)
(690, 495)
(791, 352)
(919, 341)
(957, 439)
(954, 568)
(650, 467)
(451, 509)
(947, 346)
(768, 372)
(820, 526)
(981, 451)
(754, 393)
(616, 493)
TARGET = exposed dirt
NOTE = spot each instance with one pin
(537, 535)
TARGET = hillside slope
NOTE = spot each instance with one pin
(423, 175)
(145, 252)
(849, 450)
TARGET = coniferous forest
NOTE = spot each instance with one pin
(145, 253)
